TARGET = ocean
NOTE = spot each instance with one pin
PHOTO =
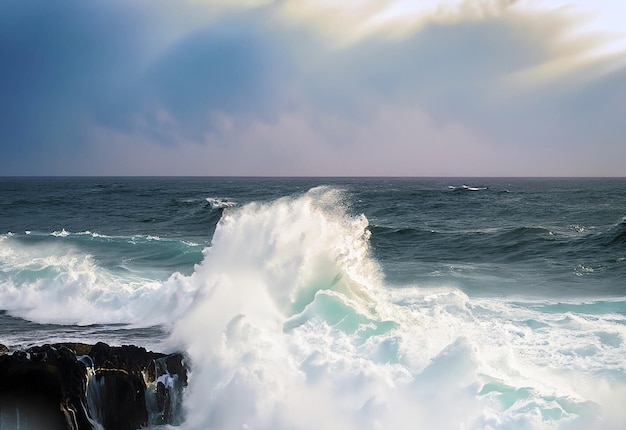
(347, 303)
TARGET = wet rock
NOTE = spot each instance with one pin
(117, 399)
(166, 378)
(43, 385)
(76, 386)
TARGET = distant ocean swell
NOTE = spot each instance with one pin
(489, 243)
(289, 323)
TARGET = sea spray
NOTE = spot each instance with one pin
(59, 283)
(479, 309)
(292, 327)
(270, 265)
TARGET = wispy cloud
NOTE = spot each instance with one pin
(300, 87)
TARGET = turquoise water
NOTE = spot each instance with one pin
(337, 303)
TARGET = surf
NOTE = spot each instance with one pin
(293, 326)
(289, 322)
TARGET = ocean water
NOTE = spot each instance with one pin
(337, 303)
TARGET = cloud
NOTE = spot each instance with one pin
(233, 66)
(295, 87)
(61, 61)
(396, 142)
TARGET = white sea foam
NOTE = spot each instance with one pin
(59, 284)
(61, 233)
(292, 328)
(94, 234)
(220, 203)
(288, 324)
(466, 187)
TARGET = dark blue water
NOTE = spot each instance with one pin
(518, 284)
(552, 236)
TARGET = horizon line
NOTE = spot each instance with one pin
(301, 177)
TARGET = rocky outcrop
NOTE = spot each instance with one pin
(77, 386)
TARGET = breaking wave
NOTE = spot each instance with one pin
(289, 323)
(293, 327)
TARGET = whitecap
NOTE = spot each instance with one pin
(220, 203)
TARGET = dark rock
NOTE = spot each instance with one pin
(166, 377)
(69, 386)
(117, 399)
(43, 384)
(78, 348)
(132, 359)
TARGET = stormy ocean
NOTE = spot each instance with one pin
(336, 303)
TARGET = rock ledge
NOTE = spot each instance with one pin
(75, 386)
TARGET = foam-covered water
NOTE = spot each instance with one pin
(340, 304)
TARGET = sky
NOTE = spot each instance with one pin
(313, 87)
